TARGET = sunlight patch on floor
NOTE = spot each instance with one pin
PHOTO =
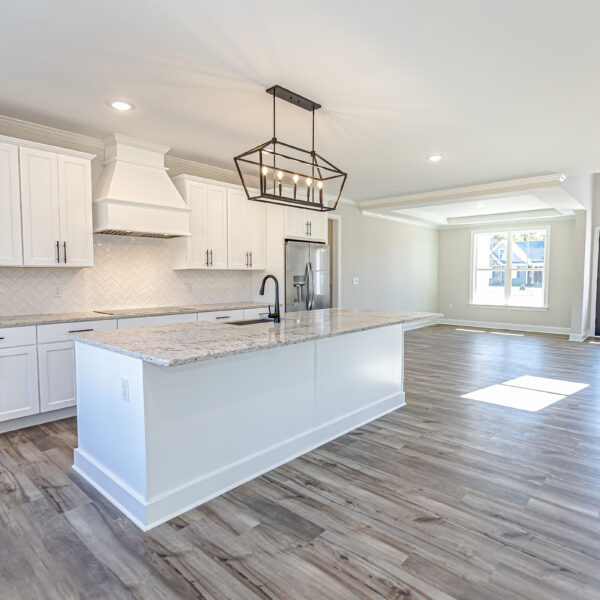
(528, 392)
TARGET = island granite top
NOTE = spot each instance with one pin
(183, 343)
(120, 313)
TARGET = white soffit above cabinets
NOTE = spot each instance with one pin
(540, 197)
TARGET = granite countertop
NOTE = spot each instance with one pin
(183, 343)
(48, 319)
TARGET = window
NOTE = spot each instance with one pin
(509, 268)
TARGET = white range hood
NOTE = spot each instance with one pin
(134, 195)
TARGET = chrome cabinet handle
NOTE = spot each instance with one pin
(251, 259)
(79, 330)
(65, 251)
(246, 259)
(310, 228)
(207, 258)
(57, 251)
(211, 260)
(226, 317)
(1, 338)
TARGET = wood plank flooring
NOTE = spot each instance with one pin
(444, 499)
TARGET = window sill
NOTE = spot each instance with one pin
(509, 307)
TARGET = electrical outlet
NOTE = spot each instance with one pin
(450, 305)
(188, 288)
(124, 389)
(355, 281)
(57, 291)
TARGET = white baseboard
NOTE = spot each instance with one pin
(507, 326)
(39, 419)
(149, 513)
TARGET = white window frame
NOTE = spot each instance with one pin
(508, 278)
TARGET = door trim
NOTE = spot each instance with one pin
(338, 218)
(595, 252)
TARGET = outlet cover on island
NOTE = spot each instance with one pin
(57, 291)
(355, 281)
(450, 305)
(188, 288)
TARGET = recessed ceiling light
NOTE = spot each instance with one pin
(121, 105)
(434, 157)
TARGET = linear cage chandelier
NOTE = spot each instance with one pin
(288, 175)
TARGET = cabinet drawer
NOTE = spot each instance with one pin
(17, 336)
(219, 316)
(61, 332)
(156, 320)
(255, 313)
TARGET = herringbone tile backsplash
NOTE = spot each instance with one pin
(127, 273)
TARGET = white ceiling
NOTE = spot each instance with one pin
(501, 89)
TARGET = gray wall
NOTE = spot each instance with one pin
(396, 263)
(454, 279)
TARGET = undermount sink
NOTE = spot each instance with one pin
(255, 321)
(250, 322)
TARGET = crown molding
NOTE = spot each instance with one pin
(55, 136)
(406, 221)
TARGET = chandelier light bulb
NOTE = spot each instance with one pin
(295, 178)
(265, 171)
(320, 185)
(280, 175)
(308, 181)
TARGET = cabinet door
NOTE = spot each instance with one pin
(18, 382)
(296, 223)
(75, 202)
(39, 200)
(57, 375)
(11, 249)
(237, 227)
(257, 235)
(317, 226)
(216, 219)
(197, 243)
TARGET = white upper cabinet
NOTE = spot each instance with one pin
(216, 220)
(206, 248)
(75, 208)
(41, 216)
(56, 207)
(257, 234)
(11, 249)
(246, 232)
(237, 225)
(302, 224)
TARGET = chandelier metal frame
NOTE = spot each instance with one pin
(274, 160)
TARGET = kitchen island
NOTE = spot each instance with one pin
(172, 416)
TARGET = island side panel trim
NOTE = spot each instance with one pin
(111, 430)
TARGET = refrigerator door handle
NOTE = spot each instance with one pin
(307, 286)
(310, 292)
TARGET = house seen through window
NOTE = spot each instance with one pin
(509, 268)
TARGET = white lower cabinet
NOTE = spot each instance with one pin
(57, 375)
(221, 316)
(18, 382)
(56, 360)
(155, 320)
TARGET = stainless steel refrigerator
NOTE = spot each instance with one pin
(307, 276)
